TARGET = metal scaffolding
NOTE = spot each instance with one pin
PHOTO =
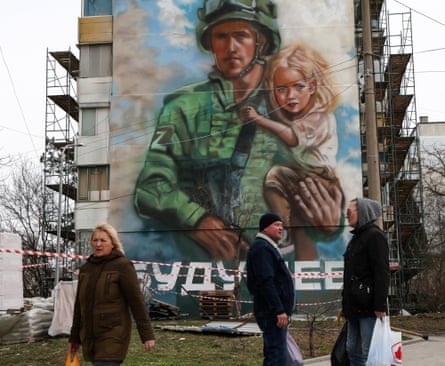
(61, 126)
(396, 120)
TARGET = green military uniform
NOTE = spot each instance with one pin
(198, 154)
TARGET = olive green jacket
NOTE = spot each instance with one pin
(108, 289)
(194, 165)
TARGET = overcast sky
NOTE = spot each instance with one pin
(28, 29)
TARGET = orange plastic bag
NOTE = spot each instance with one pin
(72, 359)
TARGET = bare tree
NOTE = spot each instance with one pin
(5, 162)
(315, 314)
(433, 164)
(240, 227)
(429, 283)
(22, 199)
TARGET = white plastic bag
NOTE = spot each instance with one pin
(386, 345)
(294, 356)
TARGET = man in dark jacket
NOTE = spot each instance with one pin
(272, 287)
(366, 277)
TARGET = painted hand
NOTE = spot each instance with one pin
(318, 207)
(248, 114)
(221, 243)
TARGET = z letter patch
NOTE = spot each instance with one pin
(161, 138)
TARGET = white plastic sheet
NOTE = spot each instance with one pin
(64, 298)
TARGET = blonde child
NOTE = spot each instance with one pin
(303, 100)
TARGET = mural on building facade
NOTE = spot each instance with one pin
(223, 110)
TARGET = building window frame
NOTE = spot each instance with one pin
(94, 183)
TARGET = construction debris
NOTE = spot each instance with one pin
(160, 310)
(234, 328)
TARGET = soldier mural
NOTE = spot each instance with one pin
(234, 128)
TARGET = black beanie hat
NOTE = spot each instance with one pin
(268, 219)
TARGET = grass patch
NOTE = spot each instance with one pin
(195, 349)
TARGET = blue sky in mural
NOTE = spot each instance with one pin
(176, 42)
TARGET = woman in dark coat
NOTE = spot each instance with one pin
(366, 277)
(108, 289)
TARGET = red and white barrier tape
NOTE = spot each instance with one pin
(233, 300)
(312, 275)
(42, 254)
(221, 271)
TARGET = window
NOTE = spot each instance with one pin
(97, 7)
(96, 60)
(88, 126)
(94, 183)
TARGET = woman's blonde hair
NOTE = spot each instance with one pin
(112, 233)
(313, 66)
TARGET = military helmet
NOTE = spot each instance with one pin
(262, 13)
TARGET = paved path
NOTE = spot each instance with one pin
(415, 352)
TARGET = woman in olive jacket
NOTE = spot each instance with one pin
(108, 289)
(366, 277)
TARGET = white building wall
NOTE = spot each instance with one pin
(11, 275)
(94, 91)
(95, 149)
(431, 133)
(431, 138)
(89, 214)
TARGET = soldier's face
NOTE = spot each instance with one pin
(233, 45)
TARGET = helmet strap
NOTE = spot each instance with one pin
(257, 59)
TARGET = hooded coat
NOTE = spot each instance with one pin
(108, 289)
(366, 262)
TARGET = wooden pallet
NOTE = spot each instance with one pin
(215, 304)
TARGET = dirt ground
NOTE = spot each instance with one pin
(325, 333)
(427, 324)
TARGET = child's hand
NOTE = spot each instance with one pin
(248, 114)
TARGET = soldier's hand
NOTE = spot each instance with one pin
(221, 242)
(318, 207)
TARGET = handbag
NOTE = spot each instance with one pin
(386, 345)
(72, 359)
(339, 356)
(294, 357)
